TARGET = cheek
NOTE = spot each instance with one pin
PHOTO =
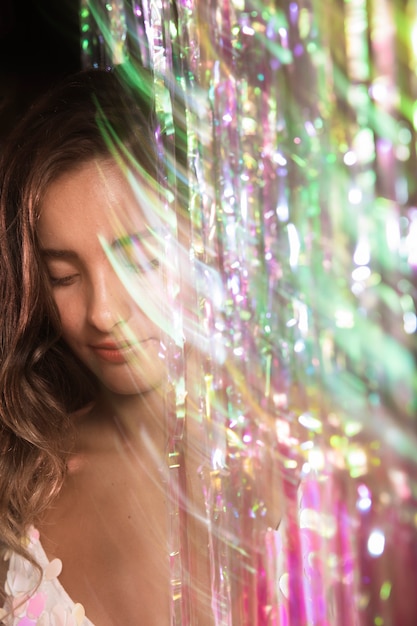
(146, 300)
(71, 317)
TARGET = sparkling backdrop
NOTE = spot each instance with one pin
(300, 177)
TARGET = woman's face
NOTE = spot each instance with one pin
(91, 226)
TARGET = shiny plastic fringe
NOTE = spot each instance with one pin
(301, 155)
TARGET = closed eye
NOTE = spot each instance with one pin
(63, 281)
(138, 253)
(141, 267)
(61, 265)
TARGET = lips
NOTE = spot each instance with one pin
(117, 353)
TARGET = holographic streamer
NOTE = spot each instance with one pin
(240, 408)
(301, 158)
(125, 34)
(103, 32)
(311, 118)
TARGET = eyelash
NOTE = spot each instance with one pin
(65, 281)
(154, 264)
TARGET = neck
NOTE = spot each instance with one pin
(137, 418)
(132, 423)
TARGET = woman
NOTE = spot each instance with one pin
(85, 329)
(83, 374)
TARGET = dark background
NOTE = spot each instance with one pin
(39, 44)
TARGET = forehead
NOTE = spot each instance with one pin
(97, 198)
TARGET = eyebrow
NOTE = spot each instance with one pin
(119, 242)
(52, 253)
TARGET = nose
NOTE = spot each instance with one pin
(108, 302)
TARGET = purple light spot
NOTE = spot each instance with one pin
(298, 50)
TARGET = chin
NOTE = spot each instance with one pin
(132, 383)
(130, 392)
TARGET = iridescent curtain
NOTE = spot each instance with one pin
(300, 180)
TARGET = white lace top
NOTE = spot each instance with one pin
(45, 605)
